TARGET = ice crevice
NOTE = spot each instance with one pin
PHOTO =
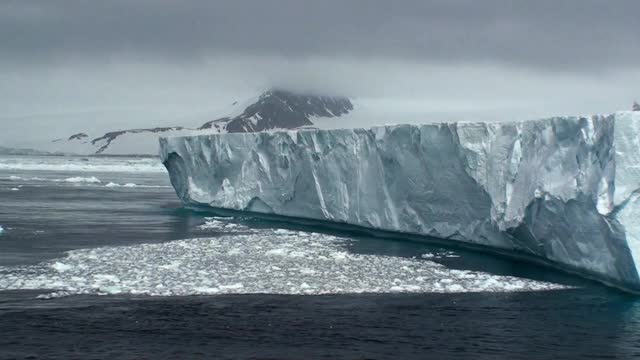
(561, 191)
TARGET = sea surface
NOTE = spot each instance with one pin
(98, 260)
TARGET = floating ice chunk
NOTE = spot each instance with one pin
(60, 266)
(207, 290)
(106, 278)
(232, 287)
(112, 290)
(277, 252)
(223, 224)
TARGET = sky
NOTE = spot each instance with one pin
(85, 65)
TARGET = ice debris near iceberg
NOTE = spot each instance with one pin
(563, 191)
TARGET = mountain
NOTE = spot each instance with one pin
(636, 107)
(281, 109)
(274, 109)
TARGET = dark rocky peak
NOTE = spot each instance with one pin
(282, 109)
(105, 140)
(636, 106)
(308, 104)
(78, 136)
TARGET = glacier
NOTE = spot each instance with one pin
(562, 192)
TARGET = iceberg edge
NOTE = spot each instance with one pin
(561, 191)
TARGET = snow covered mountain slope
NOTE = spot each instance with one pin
(281, 109)
(562, 191)
(273, 109)
(121, 142)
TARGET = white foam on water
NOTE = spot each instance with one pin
(228, 226)
(244, 260)
(440, 255)
(132, 185)
(81, 179)
(54, 163)
(1, 229)
(35, 178)
(74, 179)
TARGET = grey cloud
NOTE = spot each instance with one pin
(553, 35)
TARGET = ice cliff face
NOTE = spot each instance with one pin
(564, 191)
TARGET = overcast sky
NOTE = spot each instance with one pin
(99, 64)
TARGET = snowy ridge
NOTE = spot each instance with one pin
(121, 142)
(272, 110)
(562, 190)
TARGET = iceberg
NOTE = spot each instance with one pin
(561, 192)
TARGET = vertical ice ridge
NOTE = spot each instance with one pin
(626, 185)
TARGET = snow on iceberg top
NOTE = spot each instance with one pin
(204, 133)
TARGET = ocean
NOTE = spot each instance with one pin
(98, 259)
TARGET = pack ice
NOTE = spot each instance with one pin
(561, 191)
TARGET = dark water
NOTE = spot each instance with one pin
(47, 216)
(573, 324)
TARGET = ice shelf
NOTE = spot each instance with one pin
(561, 191)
